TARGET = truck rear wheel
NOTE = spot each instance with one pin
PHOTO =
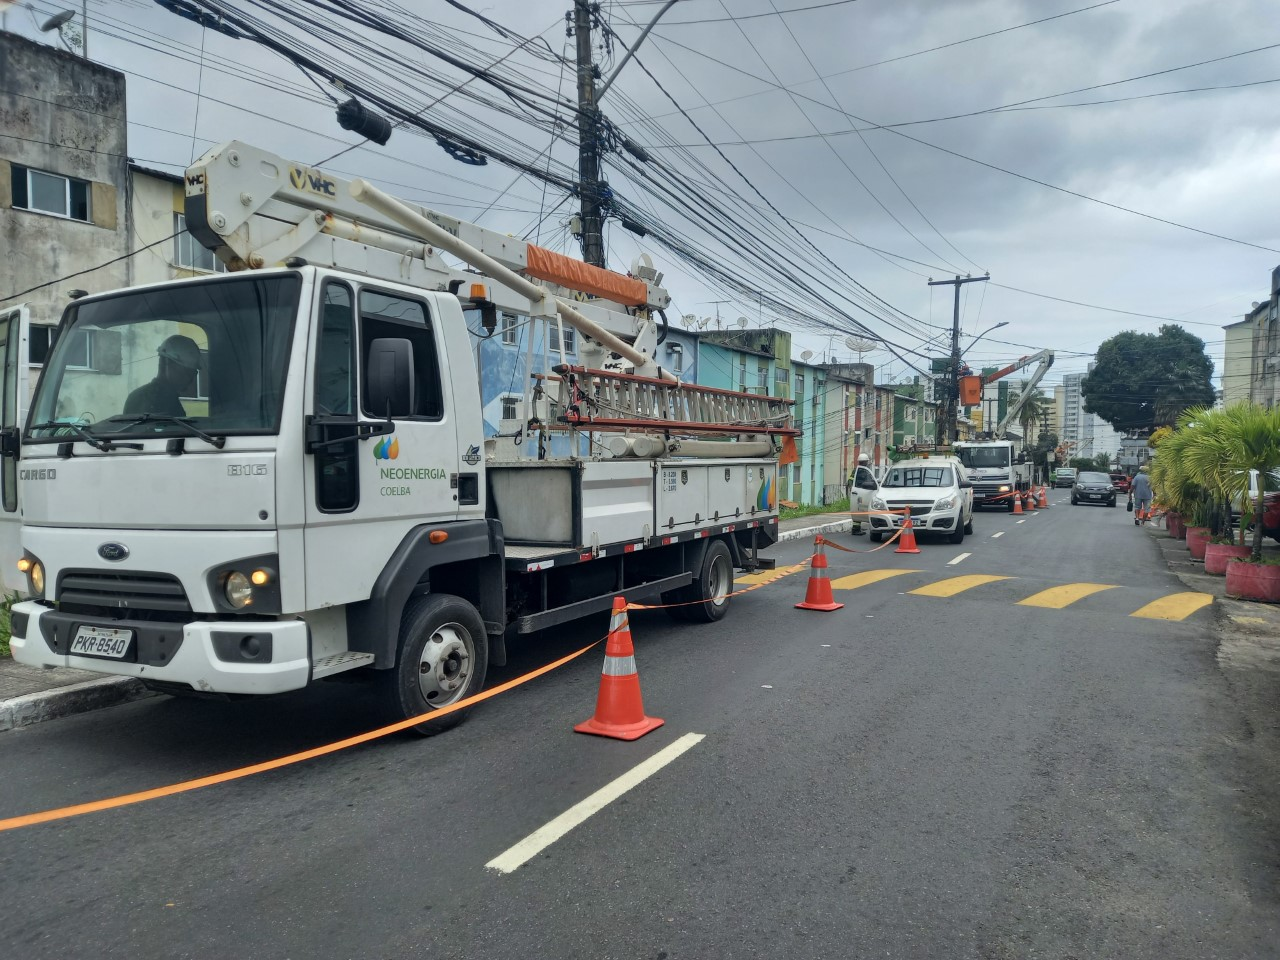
(706, 600)
(443, 658)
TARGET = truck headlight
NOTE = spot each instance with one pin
(1004, 488)
(877, 503)
(946, 503)
(238, 590)
(34, 570)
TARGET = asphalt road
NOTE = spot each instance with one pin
(910, 776)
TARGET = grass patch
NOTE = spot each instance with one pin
(4, 626)
(792, 513)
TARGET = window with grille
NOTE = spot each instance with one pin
(510, 328)
(187, 252)
(570, 339)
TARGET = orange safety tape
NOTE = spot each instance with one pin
(127, 799)
(822, 538)
(778, 575)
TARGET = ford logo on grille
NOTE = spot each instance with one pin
(114, 552)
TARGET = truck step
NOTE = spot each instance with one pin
(338, 662)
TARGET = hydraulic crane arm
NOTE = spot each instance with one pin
(971, 387)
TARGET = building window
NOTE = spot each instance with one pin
(40, 342)
(190, 254)
(762, 375)
(742, 373)
(799, 388)
(50, 193)
(510, 328)
(795, 474)
(510, 407)
(780, 375)
(570, 339)
(80, 351)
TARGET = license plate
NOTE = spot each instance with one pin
(108, 642)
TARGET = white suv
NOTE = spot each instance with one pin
(938, 493)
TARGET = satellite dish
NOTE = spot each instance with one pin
(58, 20)
(859, 346)
(688, 320)
(742, 322)
(805, 355)
(702, 324)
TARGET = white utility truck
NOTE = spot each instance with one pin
(993, 463)
(246, 483)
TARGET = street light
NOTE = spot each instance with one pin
(1002, 323)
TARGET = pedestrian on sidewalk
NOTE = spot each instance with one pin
(1141, 493)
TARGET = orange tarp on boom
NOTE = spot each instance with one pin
(553, 267)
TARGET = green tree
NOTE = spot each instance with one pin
(1144, 380)
(1032, 412)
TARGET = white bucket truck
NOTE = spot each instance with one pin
(246, 483)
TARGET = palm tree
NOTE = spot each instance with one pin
(1250, 440)
(1032, 412)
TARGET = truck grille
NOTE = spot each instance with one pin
(122, 591)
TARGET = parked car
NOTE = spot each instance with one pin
(937, 491)
(1091, 487)
(1121, 482)
(1064, 477)
(1271, 506)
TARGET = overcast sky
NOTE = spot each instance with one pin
(1208, 159)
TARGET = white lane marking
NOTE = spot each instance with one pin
(1022, 521)
(1000, 534)
(511, 860)
(952, 563)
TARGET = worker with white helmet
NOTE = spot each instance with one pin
(862, 486)
(178, 359)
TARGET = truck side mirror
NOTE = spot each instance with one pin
(389, 386)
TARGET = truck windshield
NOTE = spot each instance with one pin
(976, 457)
(213, 354)
(919, 477)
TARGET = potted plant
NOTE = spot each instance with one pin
(1203, 446)
(1219, 551)
(1252, 442)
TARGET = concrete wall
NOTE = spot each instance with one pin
(63, 115)
(1237, 362)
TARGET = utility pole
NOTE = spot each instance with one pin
(589, 186)
(946, 431)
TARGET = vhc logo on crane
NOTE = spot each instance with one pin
(313, 180)
(386, 449)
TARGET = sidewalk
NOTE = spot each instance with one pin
(32, 695)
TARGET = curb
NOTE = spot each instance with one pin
(804, 533)
(67, 701)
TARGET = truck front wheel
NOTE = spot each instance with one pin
(443, 658)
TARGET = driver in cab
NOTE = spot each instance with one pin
(178, 361)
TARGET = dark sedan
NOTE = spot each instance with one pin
(1093, 488)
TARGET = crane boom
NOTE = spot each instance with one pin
(971, 386)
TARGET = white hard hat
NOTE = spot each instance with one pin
(863, 458)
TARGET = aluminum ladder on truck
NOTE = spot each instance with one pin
(605, 400)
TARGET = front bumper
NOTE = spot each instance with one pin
(921, 522)
(233, 657)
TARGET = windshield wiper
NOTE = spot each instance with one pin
(184, 422)
(98, 443)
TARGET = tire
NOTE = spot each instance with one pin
(956, 535)
(712, 584)
(968, 527)
(442, 657)
(1111, 504)
(875, 536)
(1075, 502)
(1009, 508)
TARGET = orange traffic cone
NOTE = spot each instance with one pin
(907, 542)
(1031, 501)
(818, 595)
(1017, 502)
(619, 708)
(1044, 499)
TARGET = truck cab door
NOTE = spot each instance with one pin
(375, 474)
(15, 327)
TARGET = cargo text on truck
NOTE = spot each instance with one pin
(271, 477)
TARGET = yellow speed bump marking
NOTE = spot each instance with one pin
(767, 576)
(1176, 606)
(1055, 598)
(954, 585)
(867, 577)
